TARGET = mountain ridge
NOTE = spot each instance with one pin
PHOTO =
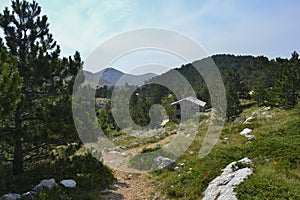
(112, 77)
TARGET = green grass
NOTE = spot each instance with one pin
(275, 153)
(147, 150)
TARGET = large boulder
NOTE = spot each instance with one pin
(44, 184)
(11, 196)
(164, 162)
(221, 188)
(68, 183)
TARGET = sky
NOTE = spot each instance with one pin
(256, 27)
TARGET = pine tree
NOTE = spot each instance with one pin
(47, 82)
(232, 83)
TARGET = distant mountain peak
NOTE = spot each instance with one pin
(111, 76)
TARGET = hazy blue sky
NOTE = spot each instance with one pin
(255, 27)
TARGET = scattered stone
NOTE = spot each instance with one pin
(222, 187)
(267, 108)
(248, 120)
(68, 183)
(11, 196)
(182, 165)
(246, 132)
(164, 162)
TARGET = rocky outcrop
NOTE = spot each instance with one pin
(44, 184)
(221, 188)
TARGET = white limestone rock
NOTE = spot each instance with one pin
(68, 183)
(221, 188)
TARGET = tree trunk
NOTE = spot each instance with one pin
(18, 152)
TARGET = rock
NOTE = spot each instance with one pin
(246, 132)
(164, 162)
(11, 196)
(44, 184)
(68, 183)
(250, 136)
(246, 161)
(182, 165)
(267, 108)
(248, 119)
(28, 194)
(156, 137)
(222, 187)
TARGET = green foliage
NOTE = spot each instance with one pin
(42, 116)
(268, 184)
(147, 150)
(90, 175)
(233, 88)
(278, 83)
(104, 92)
(166, 103)
(10, 83)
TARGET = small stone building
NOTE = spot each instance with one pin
(187, 107)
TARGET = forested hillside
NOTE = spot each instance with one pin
(269, 82)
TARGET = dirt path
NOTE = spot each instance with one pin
(131, 184)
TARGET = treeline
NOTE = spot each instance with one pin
(272, 82)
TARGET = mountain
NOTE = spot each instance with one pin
(112, 77)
